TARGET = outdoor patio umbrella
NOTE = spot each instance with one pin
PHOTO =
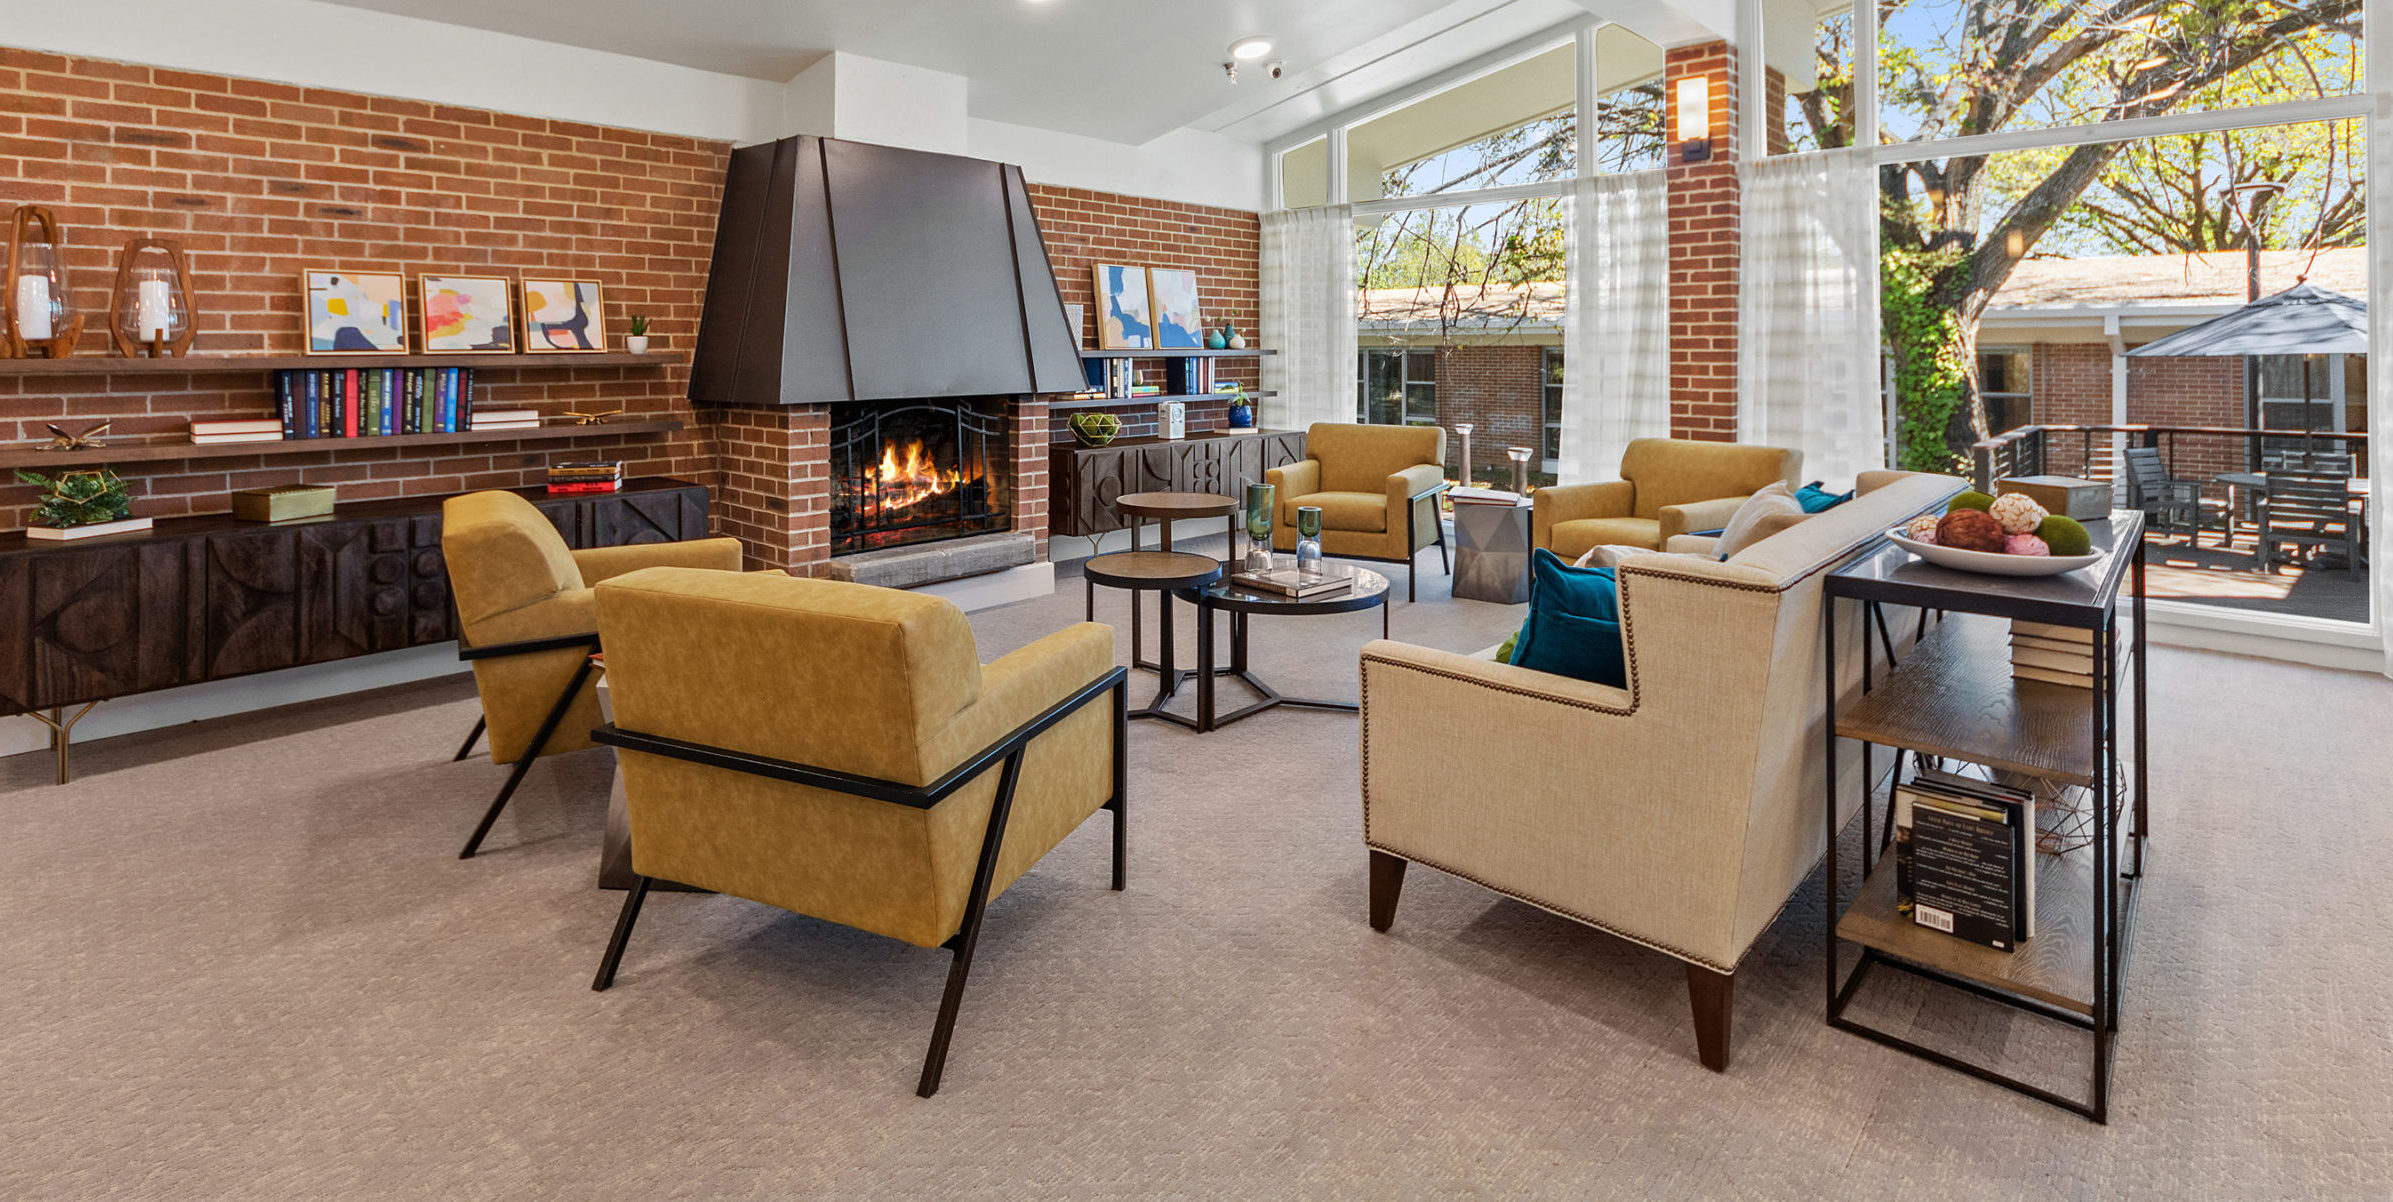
(2301, 320)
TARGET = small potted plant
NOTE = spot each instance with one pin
(1242, 406)
(81, 504)
(637, 343)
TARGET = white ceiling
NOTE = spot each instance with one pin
(1126, 71)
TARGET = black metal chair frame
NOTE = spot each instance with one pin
(1008, 751)
(1412, 538)
(548, 725)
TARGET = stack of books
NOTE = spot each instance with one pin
(1109, 377)
(585, 476)
(2062, 655)
(204, 433)
(1965, 859)
(505, 419)
(1471, 494)
(1288, 582)
(355, 402)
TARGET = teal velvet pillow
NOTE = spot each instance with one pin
(1574, 623)
(1815, 499)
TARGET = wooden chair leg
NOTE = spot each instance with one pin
(1387, 883)
(1709, 993)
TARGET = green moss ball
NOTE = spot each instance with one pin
(2065, 536)
(1970, 500)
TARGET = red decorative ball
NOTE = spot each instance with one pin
(1970, 530)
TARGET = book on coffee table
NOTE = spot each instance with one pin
(1288, 583)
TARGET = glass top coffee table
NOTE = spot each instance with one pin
(1242, 603)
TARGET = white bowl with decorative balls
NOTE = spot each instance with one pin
(1991, 563)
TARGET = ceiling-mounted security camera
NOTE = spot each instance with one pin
(1275, 66)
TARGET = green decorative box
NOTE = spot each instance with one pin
(283, 502)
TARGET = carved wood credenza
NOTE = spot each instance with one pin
(196, 599)
(1086, 481)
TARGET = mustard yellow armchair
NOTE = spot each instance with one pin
(838, 750)
(1668, 487)
(1377, 489)
(528, 623)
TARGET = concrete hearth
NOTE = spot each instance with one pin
(936, 563)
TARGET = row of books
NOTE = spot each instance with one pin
(1965, 857)
(2062, 655)
(585, 476)
(1110, 379)
(368, 402)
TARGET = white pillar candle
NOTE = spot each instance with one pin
(150, 310)
(33, 307)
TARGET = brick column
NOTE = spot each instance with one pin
(1704, 221)
(1031, 450)
(776, 493)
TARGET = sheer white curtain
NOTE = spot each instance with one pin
(1615, 323)
(1807, 329)
(1309, 316)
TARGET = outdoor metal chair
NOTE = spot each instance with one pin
(2308, 509)
(2167, 502)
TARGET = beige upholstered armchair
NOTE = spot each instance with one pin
(1679, 812)
(839, 750)
(528, 623)
(1668, 486)
(1377, 489)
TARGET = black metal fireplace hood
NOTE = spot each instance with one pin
(845, 271)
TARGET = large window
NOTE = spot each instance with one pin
(1553, 402)
(2003, 381)
(1516, 124)
(1399, 387)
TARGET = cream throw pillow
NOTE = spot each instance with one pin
(1609, 555)
(1763, 514)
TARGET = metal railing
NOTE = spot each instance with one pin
(2196, 452)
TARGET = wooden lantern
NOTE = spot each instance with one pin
(36, 277)
(151, 308)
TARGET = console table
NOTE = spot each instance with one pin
(1952, 697)
(1085, 482)
(195, 599)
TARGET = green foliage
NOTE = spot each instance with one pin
(1931, 364)
(83, 498)
(639, 325)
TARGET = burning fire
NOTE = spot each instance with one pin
(907, 477)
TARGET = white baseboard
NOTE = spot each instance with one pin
(218, 698)
(996, 588)
(2310, 641)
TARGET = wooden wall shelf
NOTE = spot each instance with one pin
(1066, 403)
(110, 365)
(159, 452)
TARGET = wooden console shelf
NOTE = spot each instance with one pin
(108, 365)
(161, 452)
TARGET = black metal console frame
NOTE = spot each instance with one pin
(1006, 752)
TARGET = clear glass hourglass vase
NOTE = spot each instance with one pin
(1308, 543)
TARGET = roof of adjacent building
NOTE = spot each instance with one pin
(2217, 278)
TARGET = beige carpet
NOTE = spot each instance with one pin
(243, 960)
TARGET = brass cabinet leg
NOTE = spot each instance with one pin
(62, 734)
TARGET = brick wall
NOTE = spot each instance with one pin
(2071, 385)
(1223, 246)
(260, 180)
(1501, 391)
(1704, 215)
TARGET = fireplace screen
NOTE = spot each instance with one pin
(914, 473)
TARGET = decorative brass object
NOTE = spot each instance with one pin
(151, 309)
(591, 419)
(36, 313)
(85, 439)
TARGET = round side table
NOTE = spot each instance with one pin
(1370, 589)
(1166, 508)
(1164, 573)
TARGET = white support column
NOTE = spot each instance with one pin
(1590, 98)
(2118, 401)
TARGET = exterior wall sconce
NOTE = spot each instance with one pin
(152, 303)
(1695, 119)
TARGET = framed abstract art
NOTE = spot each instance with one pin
(1173, 300)
(563, 316)
(463, 313)
(1123, 322)
(354, 312)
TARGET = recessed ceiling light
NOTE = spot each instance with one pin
(1247, 49)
